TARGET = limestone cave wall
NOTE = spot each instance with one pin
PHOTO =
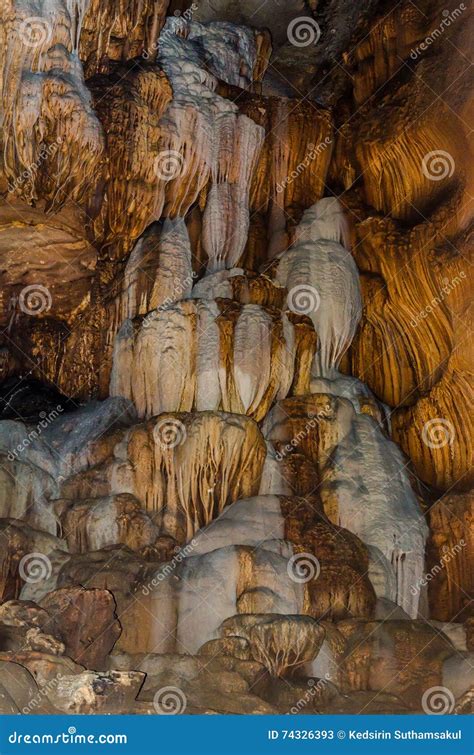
(236, 357)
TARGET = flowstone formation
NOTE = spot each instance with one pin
(235, 447)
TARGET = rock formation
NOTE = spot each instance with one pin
(235, 365)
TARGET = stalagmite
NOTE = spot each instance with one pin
(366, 489)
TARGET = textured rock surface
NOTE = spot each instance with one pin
(86, 622)
(212, 354)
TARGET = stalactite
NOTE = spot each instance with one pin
(52, 140)
(323, 282)
(222, 145)
(183, 468)
(211, 354)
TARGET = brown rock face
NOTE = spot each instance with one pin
(130, 103)
(449, 562)
(118, 572)
(86, 621)
(82, 523)
(127, 30)
(235, 357)
(402, 658)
